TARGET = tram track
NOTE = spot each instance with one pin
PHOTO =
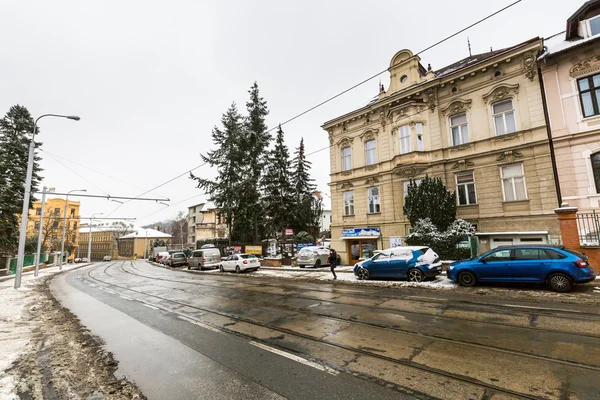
(406, 363)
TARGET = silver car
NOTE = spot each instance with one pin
(205, 258)
(313, 255)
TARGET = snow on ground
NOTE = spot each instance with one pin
(15, 333)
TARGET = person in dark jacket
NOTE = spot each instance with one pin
(333, 258)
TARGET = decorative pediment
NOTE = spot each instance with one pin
(410, 172)
(405, 110)
(501, 92)
(345, 141)
(371, 180)
(462, 165)
(585, 67)
(369, 134)
(344, 186)
(457, 106)
(509, 156)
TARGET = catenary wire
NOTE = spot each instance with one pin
(76, 173)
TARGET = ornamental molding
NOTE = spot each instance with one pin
(507, 137)
(405, 110)
(501, 92)
(457, 106)
(369, 134)
(530, 65)
(585, 67)
(432, 99)
(462, 165)
(371, 167)
(345, 141)
(372, 180)
(330, 134)
(461, 147)
(344, 185)
(509, 156)
(410, 172)
(346, 173)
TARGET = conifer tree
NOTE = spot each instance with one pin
(303, 191)
(277, 188)
(15, 136)
(430, 199)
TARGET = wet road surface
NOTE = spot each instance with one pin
(225, 336)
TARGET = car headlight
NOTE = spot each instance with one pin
(450, 268)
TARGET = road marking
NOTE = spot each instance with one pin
(125, 297)
(111, 291)
(313, 305)
(149, 306)
(205, 326)
(295, 358)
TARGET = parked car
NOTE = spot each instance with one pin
(161, 257)
(176, 260)
(84, 259)
(107, 258)
(205, 258)
(559, 268)
(415, 263)
(313, 255)
(240, 262)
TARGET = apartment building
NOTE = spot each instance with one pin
(206, 223)
(477, 123)
(105, 236)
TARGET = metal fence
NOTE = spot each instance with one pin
(589, 229)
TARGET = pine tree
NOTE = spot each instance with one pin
(224, 190)
(430, 199)
(277, 188)
(303, 191)
(258, 140)
(15, 136)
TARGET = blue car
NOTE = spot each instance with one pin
(557, 267)
(415, 263)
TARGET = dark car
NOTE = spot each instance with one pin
(556, 266)
(415, 263)
(176, 260)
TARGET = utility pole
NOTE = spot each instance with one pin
(39, 243)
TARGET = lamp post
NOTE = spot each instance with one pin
(64, 228)
(26, 194)
(90, 237)
(39, 243)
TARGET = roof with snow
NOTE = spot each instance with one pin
(146, 233)
(557, 43)
(582, 13)
(208, 206)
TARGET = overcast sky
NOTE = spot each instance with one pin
(151, 78)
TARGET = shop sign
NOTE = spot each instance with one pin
(360, 232)
(254, 250)
(300, 246)
(395, 241)
(289, 231)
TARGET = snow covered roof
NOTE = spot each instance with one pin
(557, 43)
(146, 232)
(208, 206)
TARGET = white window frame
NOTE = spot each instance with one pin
(466, 188)
(373, 150)
(513, 111)
(513, 182)
(405, 185)
(404, 138)
(374, 200)
(420, 136)
(588, 26)
(348, 156)
(460, 129)
(348, 203)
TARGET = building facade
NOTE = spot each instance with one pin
(104, 239)
(571, 74)
(206, 223)
(478, 124)
(54, 213)
(325, 222)
(194, 216)
(139, 242)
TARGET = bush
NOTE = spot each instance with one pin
(444, 243)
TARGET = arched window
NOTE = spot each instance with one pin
(595, 159)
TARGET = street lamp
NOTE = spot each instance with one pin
(62, 245)
(90, 237)
(26, 194)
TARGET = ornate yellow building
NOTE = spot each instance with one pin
(478, 124)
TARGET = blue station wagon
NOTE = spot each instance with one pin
(557, 267)
(415, 263)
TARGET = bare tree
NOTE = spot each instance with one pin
(179, 229)
(52, 232)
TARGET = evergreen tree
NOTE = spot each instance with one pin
(303, 191)
(277, 188)
(257, 144)
(430, 199)
(15, 136)
(224, 190)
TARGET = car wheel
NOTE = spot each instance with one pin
(467, 278)
(317, 263)
(237, 269)
(221, 268)
(363, 274)
(301, 266)
(560, 283)
(415, 275)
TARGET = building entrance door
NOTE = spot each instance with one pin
(361, 248)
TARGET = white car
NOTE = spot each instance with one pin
(313, 255)
(239, 263)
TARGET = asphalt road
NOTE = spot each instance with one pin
(196, 336)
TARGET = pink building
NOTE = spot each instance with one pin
(570, 69)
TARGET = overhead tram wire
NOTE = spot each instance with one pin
(170, 205)
(94, 185)
(354, 87)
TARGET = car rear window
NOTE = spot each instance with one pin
(555, 255)
(245, 256)
(576, 253)
(179, 255)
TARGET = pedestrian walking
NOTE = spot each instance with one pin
(333, 262)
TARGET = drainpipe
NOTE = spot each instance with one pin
(550, 141)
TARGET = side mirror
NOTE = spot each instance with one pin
(483, 261)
